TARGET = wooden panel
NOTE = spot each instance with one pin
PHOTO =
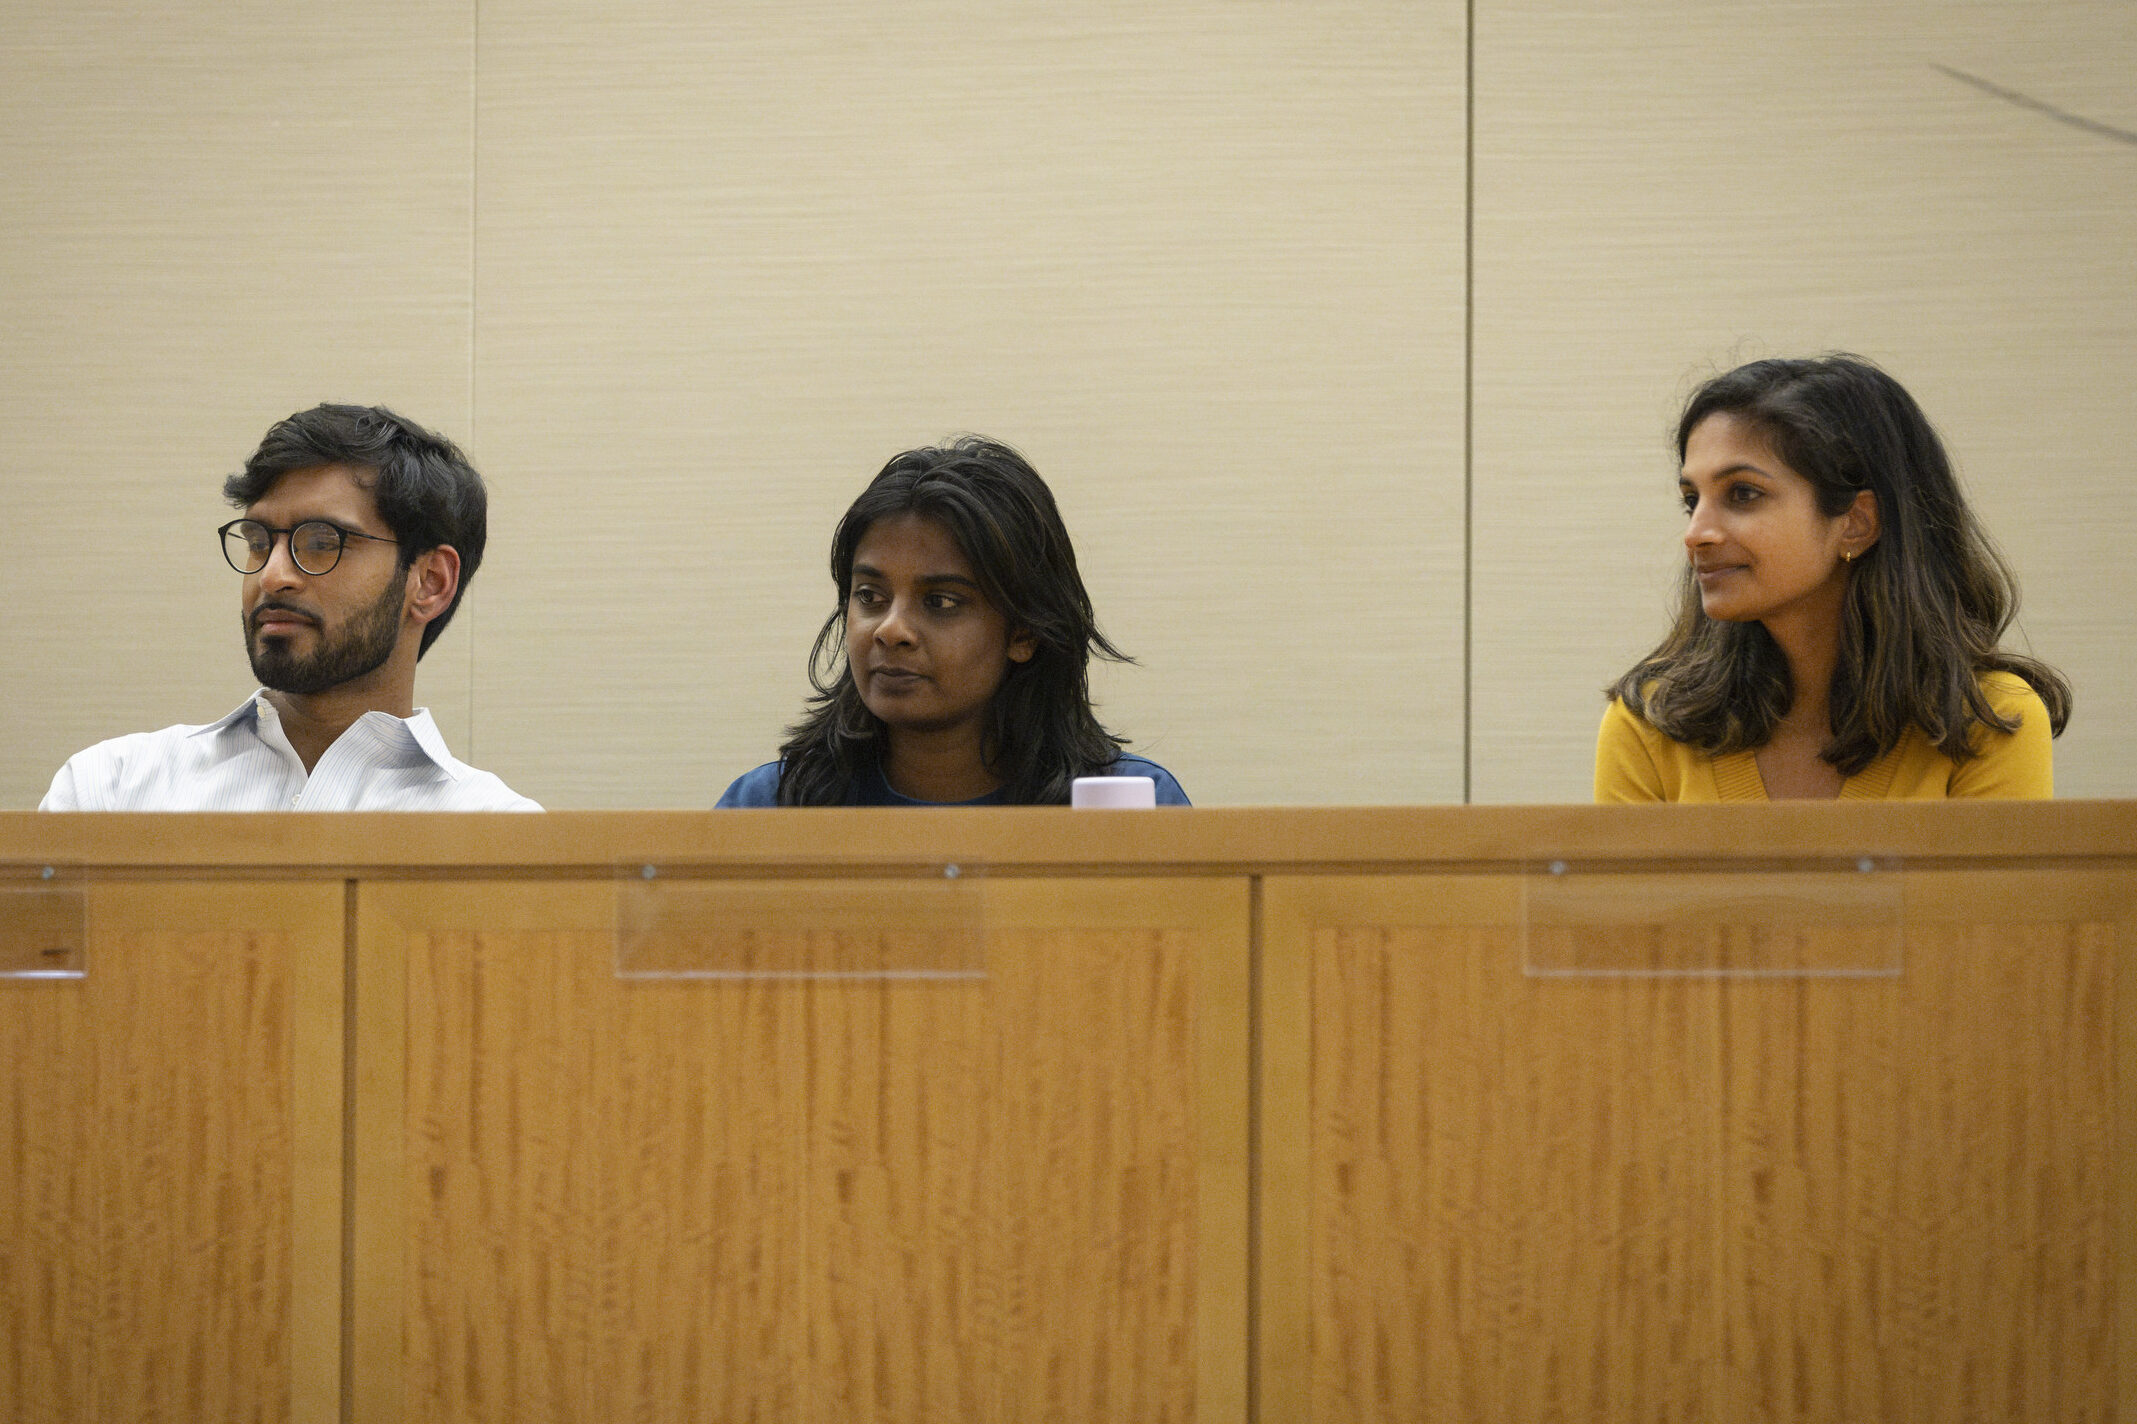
(1202, 262)
(1920, 1178)
(172, 1244)
(218, 213)
(1926, 1173)
(955, 1199)
(1507, 1182)
(1626, 1198)
(1663, 191)
(50, 1252)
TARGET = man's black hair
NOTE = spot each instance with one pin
(427, 492)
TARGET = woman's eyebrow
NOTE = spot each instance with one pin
(870, 571)
(1739, 468)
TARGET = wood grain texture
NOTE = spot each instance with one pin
(1511, 1204)
(1883, 1197)
(320, 1037)
(1920, 1175)
(1662, 192)
(1201, 263)
(161, 1190)
(1042, 840)
(48, 1177)
(380, 1247)
(809, 1200)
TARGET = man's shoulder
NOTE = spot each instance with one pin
(473, 790)
(107, 774)
(160, 742)
(389, 763)
(227, 766)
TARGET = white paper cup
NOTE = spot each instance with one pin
(1114, 793)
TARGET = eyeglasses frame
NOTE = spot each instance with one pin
(222, 536)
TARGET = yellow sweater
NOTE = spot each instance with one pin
(1634, 762)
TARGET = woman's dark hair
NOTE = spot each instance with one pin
(1925, 606)
(427, 492)
(1041, 733)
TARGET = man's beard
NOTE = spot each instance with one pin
(363, 647)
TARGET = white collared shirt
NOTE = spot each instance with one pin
(245, 763)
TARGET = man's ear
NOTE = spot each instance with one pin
(433, 579)
(1022, 646)
(1861, 525)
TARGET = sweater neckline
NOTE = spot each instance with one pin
(1736, 778)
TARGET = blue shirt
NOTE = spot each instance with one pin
(761, 787)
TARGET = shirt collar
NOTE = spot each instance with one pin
(246, 710)
(428, 737)
(418, 730)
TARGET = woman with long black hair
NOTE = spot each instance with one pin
(954, 670)
(1840, 629)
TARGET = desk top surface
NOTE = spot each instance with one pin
(1221, 840)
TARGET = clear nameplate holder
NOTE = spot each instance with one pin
(673, 922)
(44, 922)
(1838, 917)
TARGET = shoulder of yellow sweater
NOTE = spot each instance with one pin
(2011, 695)
(1624, 729)
(1618, 714)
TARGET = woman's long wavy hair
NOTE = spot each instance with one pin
(1925, 609)
(1041, 733)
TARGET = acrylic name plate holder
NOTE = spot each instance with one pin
(1838, 917)
(44, 922)
(680, 922)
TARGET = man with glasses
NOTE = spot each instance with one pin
(360, 532)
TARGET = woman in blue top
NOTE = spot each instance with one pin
(955, 668)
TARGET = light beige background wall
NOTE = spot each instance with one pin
(682, 277)
(1202, 263)
(1664, 190)
(210, 216)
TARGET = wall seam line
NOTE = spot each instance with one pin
(474, 159)
(1469, 363)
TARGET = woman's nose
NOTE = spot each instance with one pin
(895, 627)
(1699, 529)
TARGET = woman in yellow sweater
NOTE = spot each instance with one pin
(1838, 634)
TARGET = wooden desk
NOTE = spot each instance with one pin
(1246, 1113)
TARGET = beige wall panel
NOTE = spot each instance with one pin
(1662, 191)
(1202, 263)
(216, 214)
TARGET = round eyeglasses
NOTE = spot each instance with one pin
(314, 546)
